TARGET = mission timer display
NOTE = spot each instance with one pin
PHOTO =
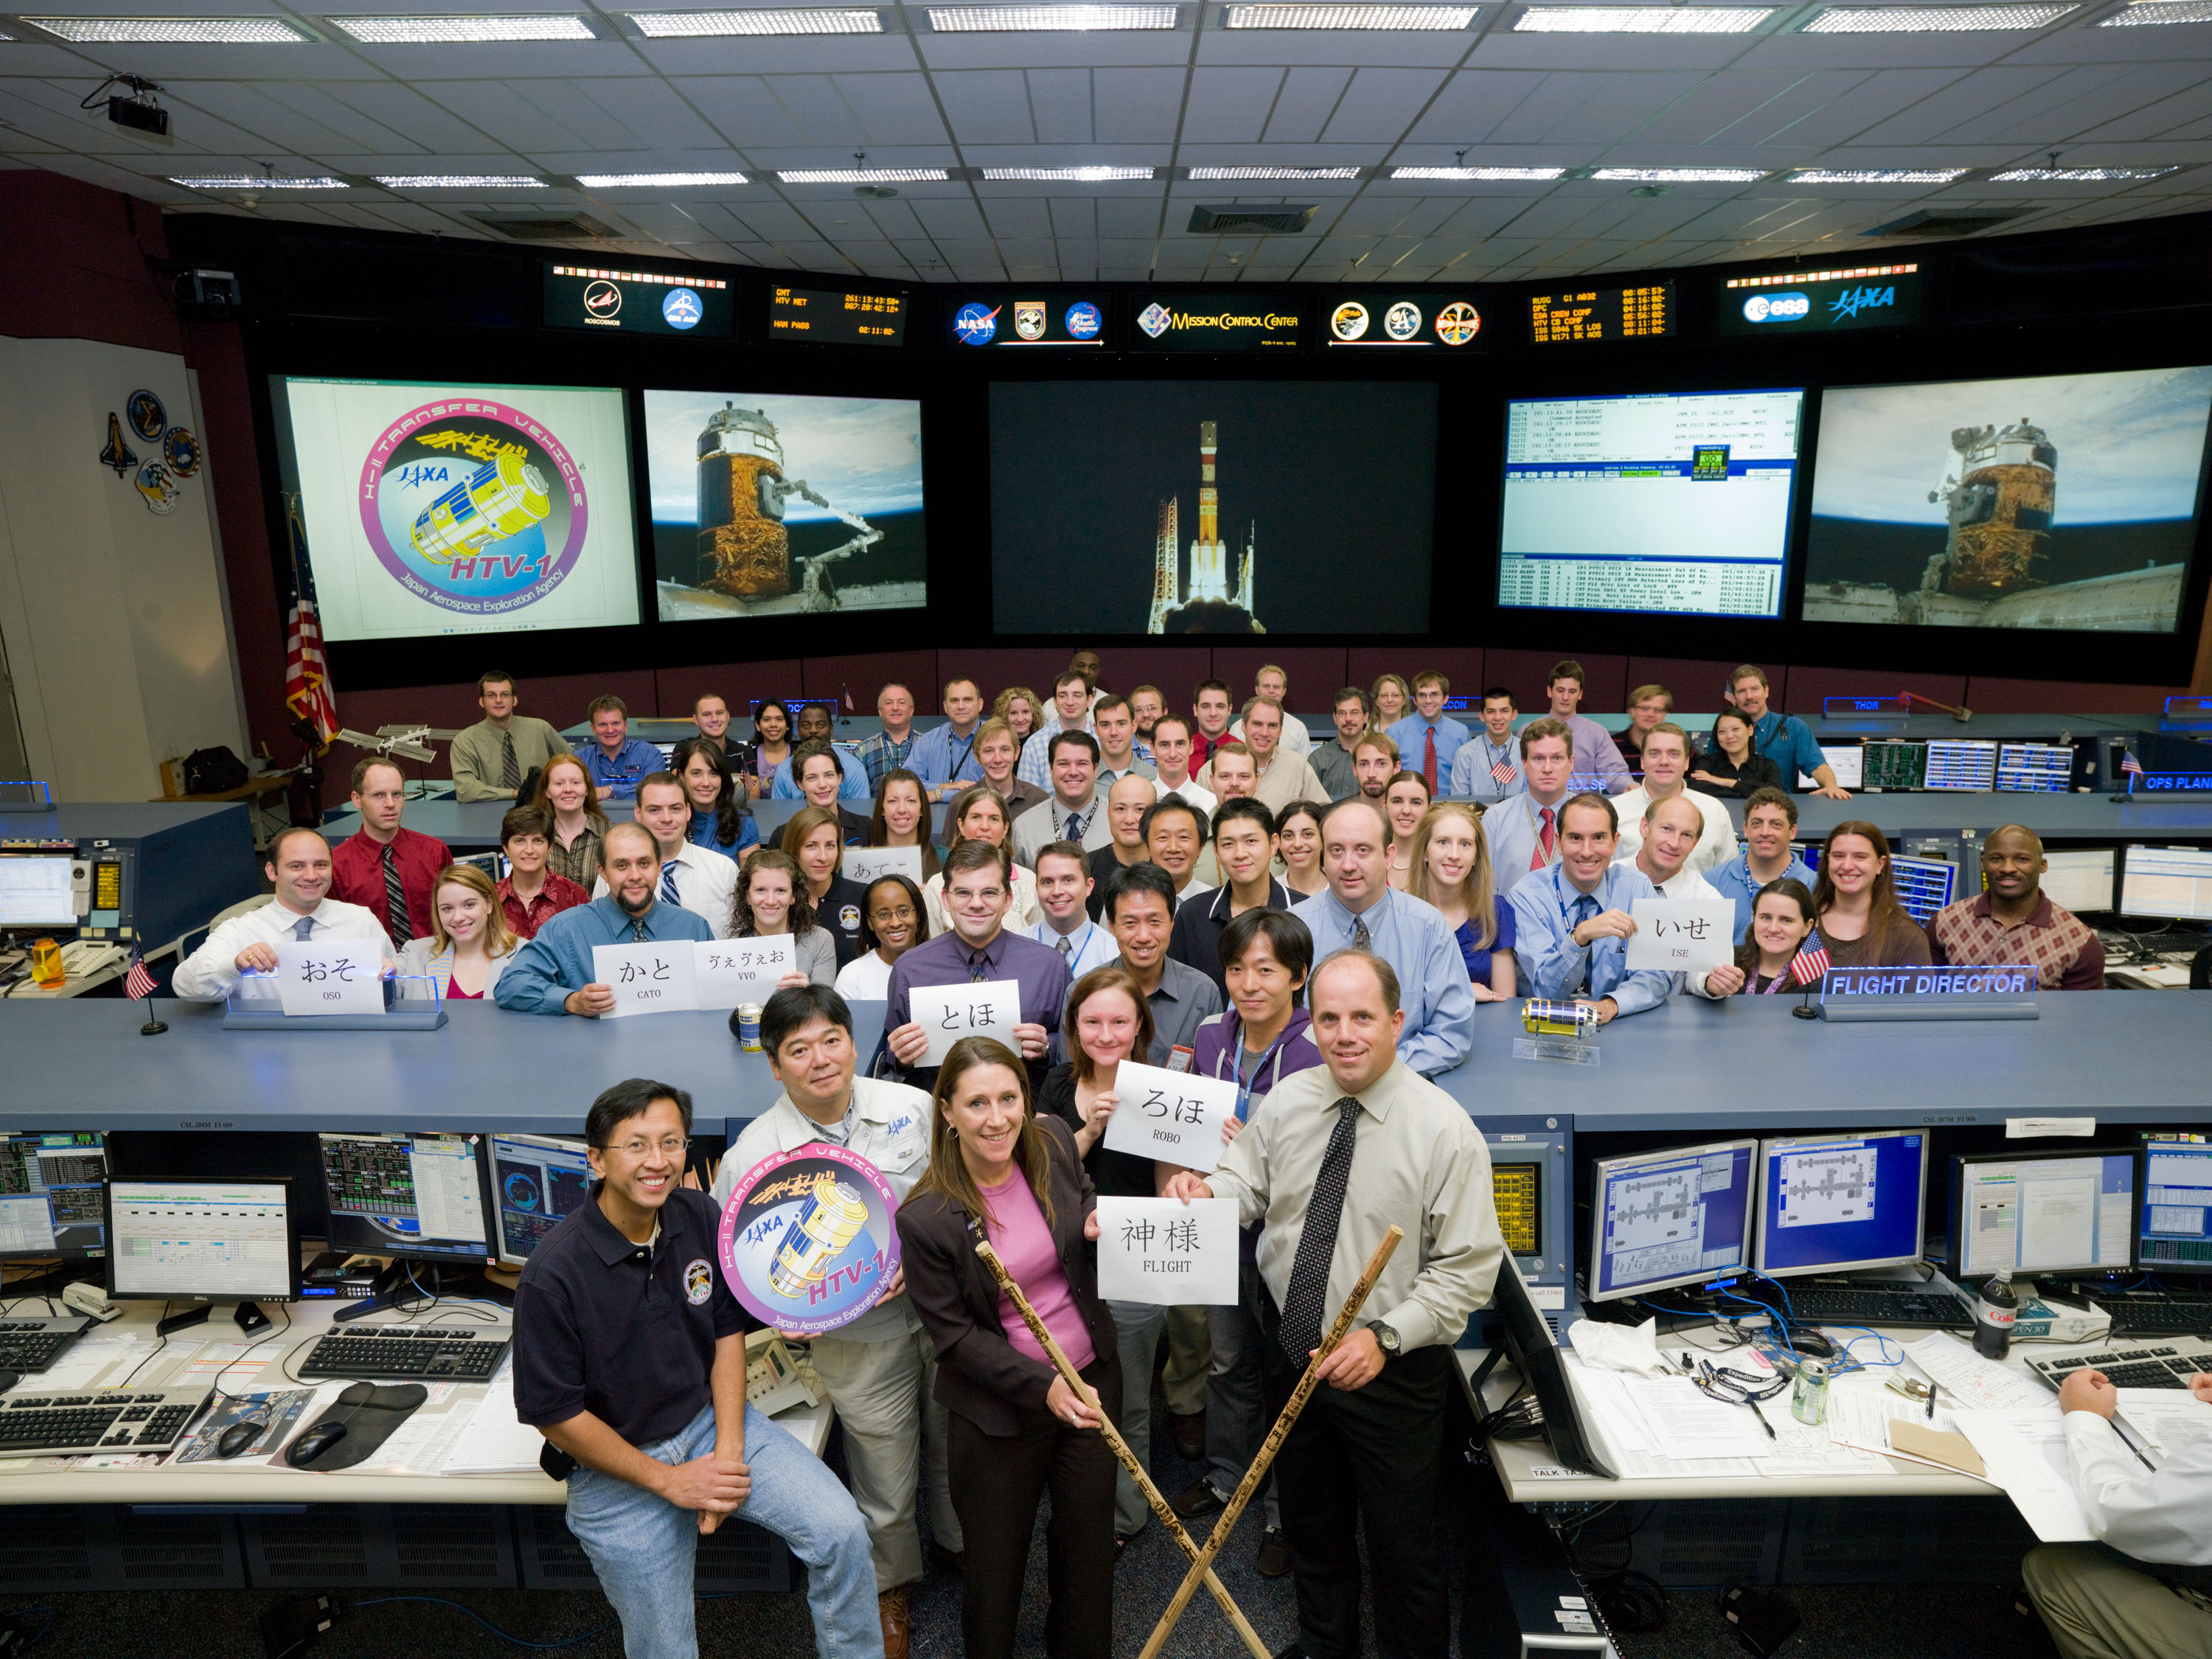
(1602, 313)
(1666, 503)
(837, 316)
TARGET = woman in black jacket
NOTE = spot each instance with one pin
(1728, 766)
(997, 1171)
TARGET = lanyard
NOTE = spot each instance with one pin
(1074, 955)
(1564, 917)
(1236, 1056)
(953, 770)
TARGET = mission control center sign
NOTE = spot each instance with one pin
(1209, 323)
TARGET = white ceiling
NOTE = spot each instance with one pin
(1203, 94)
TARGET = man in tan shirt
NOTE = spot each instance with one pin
(1283, 777)
(491, 758)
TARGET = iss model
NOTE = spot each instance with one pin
(1209, 556)
(504, 497)
(1999, 494)
(744, 549)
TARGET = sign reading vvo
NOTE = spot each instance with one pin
(1866, 994)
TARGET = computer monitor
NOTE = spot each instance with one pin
(2082, 879)
(2172, 882)
(1533, 1349)
(49, 1195)
(2176, 1183)
(2061, 1212)
(420, 1197)
(203, 1240)
(1661, 1219)
(34, 891)
(1923, 886)
(1846, 760)
(1832, 1203)
(1961, 765)
(537, 1180)
(1892, 765)
(2046, 769)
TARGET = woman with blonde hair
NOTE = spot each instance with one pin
(566, 795)
(1451, 870)
(1020, 708)
(979, 813)
(1391, 699)
(470, 942)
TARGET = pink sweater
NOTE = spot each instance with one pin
(1024, 1242)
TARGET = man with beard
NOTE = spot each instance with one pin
(552, 974)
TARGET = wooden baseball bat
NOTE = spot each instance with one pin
(1274, 1443)
(1129, 1459)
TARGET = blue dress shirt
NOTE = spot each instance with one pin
(1411, 735)
(1471, 776)
(1509, 829)
(542, 974)
(880, 755)
(702, 833)
(1790, 744)
(635, 759)
(854, 788)
(1410, 935)
(941, 756)
(1733, 881)
(1554, 965)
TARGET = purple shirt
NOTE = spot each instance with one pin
(1219, 1052)
(948, 959)
(1024, 1244)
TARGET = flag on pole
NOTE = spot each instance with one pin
(138, 984)
(306, 671)
(2130, 764)
(1806, 966)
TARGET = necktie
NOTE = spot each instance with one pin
(301, 928)
(1585, 907)
(1361, 939)
(1543, 843)
(395, 899)
(1304, 1300)
(979, 969)
(637, 933)
(510, 770)
(668, 883)
(1067, 949)
(1075, 826)
(1428, 761)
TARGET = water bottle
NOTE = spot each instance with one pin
(1994, 1313)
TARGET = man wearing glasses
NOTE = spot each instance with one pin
(630, 1358)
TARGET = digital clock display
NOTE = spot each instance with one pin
(1602, 314)
(835, 317)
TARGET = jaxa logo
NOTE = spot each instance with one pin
(698, 1281)
(1853, 300)
(1155, 319)
(1028, 318)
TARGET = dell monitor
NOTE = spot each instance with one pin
(1667, 1218)
(203, 1240)
(51, 1194)
(2176, 1183)
(1833, 1203)
(2049, 1212)
(417, 1197)
(35, 890)
(537, 1180)
(2082, 879)
(2171, 882)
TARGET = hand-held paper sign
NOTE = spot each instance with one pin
(949, 1012)
(807, 1240)
(1678, 936)
(646, 979)
(1166, 1252)
(345, 976)
(1176, 1115)
(865, 864)
(728, 971)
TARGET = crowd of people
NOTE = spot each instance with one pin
(1214, 891)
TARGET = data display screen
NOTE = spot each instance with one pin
(818, 316)
(1662, 502)
(2046, 769)
(539, 1181)
(1603, 313)
(1831, 1203)
(1410, 320)
(1923, 886)
(1892, 765)
(1670, 1218)
(406, 1194)
(640, 302)
(1822, 301)
(2071, 1212)
(2177, 1208)
(2082, 879)
(1957, 763)
(210, 1239)
(1518, 1190)
(2173, 882)
(34, 891)
(53, 1193)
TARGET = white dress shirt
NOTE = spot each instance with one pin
(706, 884)
(1196, 793)
(1091, 946)
(1295, 740)
(1687, 883)
(210, 973)
(1716, 843)
(2165, 1516)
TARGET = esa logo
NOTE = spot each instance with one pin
(1778, 307)
(976, 324)
(682, 308)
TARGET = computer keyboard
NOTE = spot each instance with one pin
(2157, 1317)
(376, 1353)
(35, 1425)
(1914, 1308)
(31, 1345)
(2166, 1365)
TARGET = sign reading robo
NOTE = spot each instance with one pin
(1174, 325)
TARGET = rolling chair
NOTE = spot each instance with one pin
(2200, 971)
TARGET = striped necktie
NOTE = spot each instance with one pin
(668, 883)
(395, 899)
(510, 768)
(1305, 1297)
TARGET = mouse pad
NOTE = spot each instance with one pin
(370, 1411)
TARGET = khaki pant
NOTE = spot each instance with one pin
(1190, 1357)
(882, 1392)
(2097, 1607)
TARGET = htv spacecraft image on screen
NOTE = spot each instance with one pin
(766, 505)
(1212, 507)
(2062, 502)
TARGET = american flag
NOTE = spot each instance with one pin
(138, 984)
(2130, 764)
(1502, 770)
(306, 671)
(1806, 966)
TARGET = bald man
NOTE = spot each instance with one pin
(2012, 922)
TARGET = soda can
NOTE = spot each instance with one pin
(1808, 1400)
(749, 1019)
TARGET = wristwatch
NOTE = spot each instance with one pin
(1385, 1338)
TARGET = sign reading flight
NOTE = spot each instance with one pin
(1232, 320)
(1822, 301)
(1015, 318)
(643, 302)
(1414, 319)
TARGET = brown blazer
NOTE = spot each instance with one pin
(980, 1374)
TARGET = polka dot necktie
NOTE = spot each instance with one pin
(1306, 1297)
(510, 768)
(1429, 762)
(395, 899)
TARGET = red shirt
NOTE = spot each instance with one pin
(558, 894)
(357, 875)
(1202, 747)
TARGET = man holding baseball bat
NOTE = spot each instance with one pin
(1343, 1152)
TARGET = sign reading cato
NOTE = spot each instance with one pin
(1868, 993)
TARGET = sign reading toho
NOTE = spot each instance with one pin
(1212, 322)
(1822, 301)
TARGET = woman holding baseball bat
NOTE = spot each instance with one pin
(1001, 1175)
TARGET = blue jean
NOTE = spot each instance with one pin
(643, 1547)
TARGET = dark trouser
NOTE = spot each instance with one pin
(997, 1482)
(1375, 1455)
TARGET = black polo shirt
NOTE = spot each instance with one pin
(619, 1330)
(1196, 941)
(1103, 863)
(840, 911)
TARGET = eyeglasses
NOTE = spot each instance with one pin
(668, 1147)
(1736, 1388)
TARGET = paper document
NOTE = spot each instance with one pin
(341, 977)
(1686, 1423)
(1681, 936)
(1163, 1251)
(495, 1442)
(1176, 1116)
(1804, 1449)
(647, 979)
(2026, 1453)
(1967, 1379)
(1859, 1418)
(94, 1360)
(949, 1012)
(864, 864)
(2168, 1420)
(1618, 1425)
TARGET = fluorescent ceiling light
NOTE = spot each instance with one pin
(1932, 19)
(1641, 20)
(458, 181)
(795, 19)
(1274, 172)
(2076, 175)
(2159, 11)
(460, 31)
(199, 31)
(862, 176)
(260, 181)
(1877, 175)
(1678, 175)
(1074, 175)
(656, 180)
(1476, 172)
(1351, 17)
(985, 20)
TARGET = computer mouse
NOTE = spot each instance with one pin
(238, 1436)
(1811, 1344)
(313, 1443)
